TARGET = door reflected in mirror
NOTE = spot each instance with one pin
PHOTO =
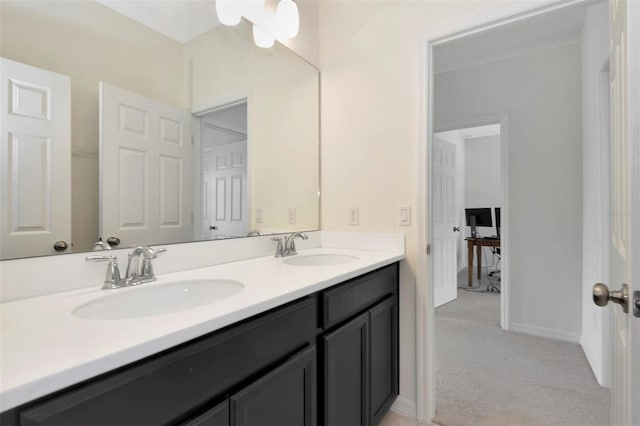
(204, 136)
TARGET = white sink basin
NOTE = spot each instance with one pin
(319, 259)
(157, 299)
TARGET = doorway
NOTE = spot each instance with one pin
(222, 202)
(473, 231)
(544, 178)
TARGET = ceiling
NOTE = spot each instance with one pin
(181, 20)
(226, 125)
(552, 29)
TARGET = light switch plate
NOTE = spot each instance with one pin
(354, 215)
(291, 216)
(404, 215)
(258, 214)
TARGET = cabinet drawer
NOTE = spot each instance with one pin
(169, 387)
(356, 295)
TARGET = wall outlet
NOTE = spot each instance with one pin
(291, 215)
(259, 215)
(404, 215)
(354, 215)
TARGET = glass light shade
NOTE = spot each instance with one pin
(251, 8)
(262, 38)
(228, 12)
(288, 19)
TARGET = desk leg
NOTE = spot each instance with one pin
(470, 262)
(479, 251)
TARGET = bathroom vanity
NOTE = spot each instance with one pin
(324, 352)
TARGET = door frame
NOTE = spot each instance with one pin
(196, 122)
(503, 121)
(425, 312)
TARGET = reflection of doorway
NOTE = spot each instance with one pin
(223, 160)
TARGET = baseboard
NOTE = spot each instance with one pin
(544, 332)
(594, 361)
(405, 407)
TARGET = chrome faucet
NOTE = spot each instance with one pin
(139, 267)
(112, 279)
(290, 245)
(101, 245)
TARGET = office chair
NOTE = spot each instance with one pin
(497, 253)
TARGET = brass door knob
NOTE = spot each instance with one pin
(602, 296)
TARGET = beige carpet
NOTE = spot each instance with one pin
(487, 376)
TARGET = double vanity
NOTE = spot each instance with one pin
(305, 339)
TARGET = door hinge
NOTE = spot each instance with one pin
(192, 139)
(191, 217)
(428, 249)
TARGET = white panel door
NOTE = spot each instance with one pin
(35, 160)
(145, 170)
(227, 190)
(445, 217)
(625, 219)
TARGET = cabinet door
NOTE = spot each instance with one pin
(383, 324)
(284, 397)
(345, 374)
(217, 416)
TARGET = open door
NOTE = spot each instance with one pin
(35, 135)
(445, 226)
(145, 170)
(624, 60)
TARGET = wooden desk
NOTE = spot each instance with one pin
(478, 242)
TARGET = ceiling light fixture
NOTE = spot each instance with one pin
(251, 7)
(228, 12)
(285, 23)
(262, 38)
(287, 19)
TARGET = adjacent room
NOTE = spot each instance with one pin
(517, 231)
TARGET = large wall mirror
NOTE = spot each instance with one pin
(116, 132)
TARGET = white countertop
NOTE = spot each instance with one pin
(43, 348)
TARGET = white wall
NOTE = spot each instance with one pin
(541, 94)
(483, 186)
(482, 172)
(595, 50)
(370, 53)
(456, 138)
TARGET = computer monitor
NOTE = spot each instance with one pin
(483, 217)
(497, 209)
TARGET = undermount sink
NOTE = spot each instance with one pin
(157, 299)
(325, 259)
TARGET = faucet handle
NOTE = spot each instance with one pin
(279, 248)
(147, 267)
(99, 258)
(112, 278)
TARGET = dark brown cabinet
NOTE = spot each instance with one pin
(284, 397)
(330, 358)
(346, 373)
(360, 367)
